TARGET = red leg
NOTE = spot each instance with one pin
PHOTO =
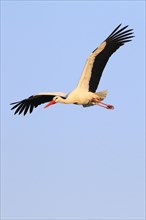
(102, 104)
(107, 105)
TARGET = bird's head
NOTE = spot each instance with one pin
(55, 100)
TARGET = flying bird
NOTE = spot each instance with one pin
(85, 93)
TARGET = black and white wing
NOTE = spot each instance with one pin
(98, 58)
(27, 105)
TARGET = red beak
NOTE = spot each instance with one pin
(50, 103)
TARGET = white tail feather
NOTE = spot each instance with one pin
(102, 95)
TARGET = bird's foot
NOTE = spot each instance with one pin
(110, 107)
(107, 106)
(102, 104)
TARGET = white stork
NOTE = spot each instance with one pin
(85, 93)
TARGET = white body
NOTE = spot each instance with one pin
(83, 97)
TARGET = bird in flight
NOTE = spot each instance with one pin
(85, 93)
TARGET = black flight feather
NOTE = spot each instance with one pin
(29, 104)
(115, 40)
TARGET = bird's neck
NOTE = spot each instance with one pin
(64, 101)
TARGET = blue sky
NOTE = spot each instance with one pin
(69, 162)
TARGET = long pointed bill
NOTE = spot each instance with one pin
(50, 103)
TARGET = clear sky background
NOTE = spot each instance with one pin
(66, 161)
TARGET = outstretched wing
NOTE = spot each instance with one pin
(27, 105)
(98, 58)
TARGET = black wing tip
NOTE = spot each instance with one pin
(13, 103)
(119, 34)
(117, 29)
(121, 25)
(21, 108)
